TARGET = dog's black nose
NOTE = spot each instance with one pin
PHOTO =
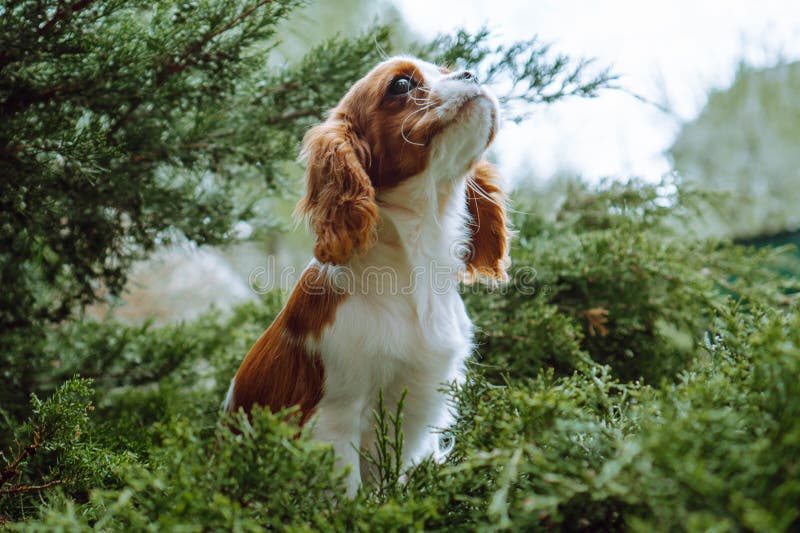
(466, 75)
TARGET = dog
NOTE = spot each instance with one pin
(404, 208)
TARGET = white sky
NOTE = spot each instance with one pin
(673, 49)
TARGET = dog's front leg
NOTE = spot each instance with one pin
(344, 433)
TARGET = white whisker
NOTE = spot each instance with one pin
(418, 100)
(381, 52)
(483, 194)
(403, 124)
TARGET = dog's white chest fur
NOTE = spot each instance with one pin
(403, 328)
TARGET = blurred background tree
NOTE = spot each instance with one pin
(745, 143)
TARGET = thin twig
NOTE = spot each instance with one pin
(11, 470)
(31, 488)
(293, 115)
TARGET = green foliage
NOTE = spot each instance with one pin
(104, 137)
(128, 125)
(52, 449)
(615, 277)
(137, 358)
(385, 463)
(727, 433)
(536, 73)
(228, 482)
(631, 376)
(717, 449)
(556, 428)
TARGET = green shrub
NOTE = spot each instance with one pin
(680, 412)
(54, 448)
(615, 277)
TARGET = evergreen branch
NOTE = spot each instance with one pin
(387, 455)
(180, 65)
(174, 67)
(294, 115)
(278, 89)
(64, 14)
(25, 97)
(536, 75)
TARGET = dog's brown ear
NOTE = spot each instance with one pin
(339, 203)
(489, 235)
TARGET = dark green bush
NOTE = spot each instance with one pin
(615, 277)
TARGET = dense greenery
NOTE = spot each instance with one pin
(127, 125)
(647, 381)
(631, 376)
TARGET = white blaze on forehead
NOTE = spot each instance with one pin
(430, 72)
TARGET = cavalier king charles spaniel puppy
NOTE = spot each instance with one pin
(404, 207)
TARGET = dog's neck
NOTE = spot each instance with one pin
(423, 227)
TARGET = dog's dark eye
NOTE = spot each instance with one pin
(401, 85)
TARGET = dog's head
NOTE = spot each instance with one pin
(405, 118)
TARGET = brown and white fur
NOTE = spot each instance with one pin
(404, 207)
